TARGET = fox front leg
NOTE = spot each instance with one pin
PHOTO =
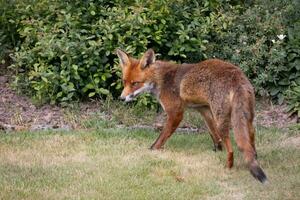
(173, 120)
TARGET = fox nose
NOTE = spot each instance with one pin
(127, 98)
(122, 97)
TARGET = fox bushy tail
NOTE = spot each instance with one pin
(242, 123)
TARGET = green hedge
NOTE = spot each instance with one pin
(64, 50)
(67, 48)
(264, 40)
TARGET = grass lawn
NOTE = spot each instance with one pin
(112, 163)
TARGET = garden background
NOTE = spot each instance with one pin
(65, 135)
(64, 51)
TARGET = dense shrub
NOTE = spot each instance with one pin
(293, 97)
(67, 49)
(264, 41)
(8, 31)
(64, 50)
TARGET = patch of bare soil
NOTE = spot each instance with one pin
(273, 115)
(18, 113)
(292, 142)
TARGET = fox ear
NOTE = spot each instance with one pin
(123, 57)
(147, 59)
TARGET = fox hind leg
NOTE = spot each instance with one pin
(212, 126)
(224, 127)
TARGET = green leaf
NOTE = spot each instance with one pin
(103, 77)
(44, 79)
(97, 80)
(92, 94)
(89, 86)
(75, 67)
(274, 91)
(104, 91)
(284, 82)
(280, 99)
(59, 94)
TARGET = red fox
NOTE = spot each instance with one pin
(217, 89)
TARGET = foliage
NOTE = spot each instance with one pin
(264, 41)
(67, 49)
(8, 32)
(64, 50)
(293, 97)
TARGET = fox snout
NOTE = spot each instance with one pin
(127, 98)
(147, 87)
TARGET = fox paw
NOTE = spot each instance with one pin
(153, 147)
(217, 147)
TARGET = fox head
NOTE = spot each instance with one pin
(135, 74)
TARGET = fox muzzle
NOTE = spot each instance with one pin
(148, 87)
(127, 98)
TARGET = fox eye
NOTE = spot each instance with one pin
(135, 84)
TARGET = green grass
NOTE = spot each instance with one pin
(116, 163)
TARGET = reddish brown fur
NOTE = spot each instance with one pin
(217, 89)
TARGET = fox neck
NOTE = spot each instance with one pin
(162, 75)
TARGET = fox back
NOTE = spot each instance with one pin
(219, 90)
